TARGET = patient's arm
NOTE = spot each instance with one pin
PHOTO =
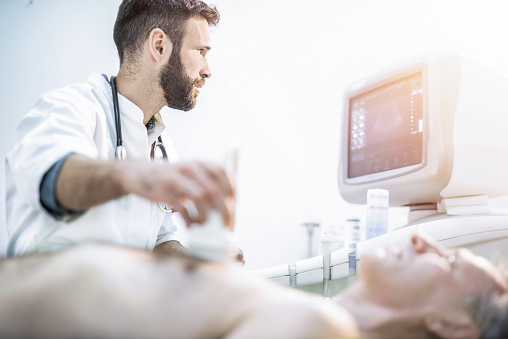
(103, 291)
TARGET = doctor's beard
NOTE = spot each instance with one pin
(178, 87)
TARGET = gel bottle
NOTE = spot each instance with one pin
(377, 213)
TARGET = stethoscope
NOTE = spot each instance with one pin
(121, 152)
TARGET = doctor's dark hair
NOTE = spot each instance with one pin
(137, 18)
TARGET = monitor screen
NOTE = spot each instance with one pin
(386, 127)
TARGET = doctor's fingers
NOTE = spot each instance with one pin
(212, 177)
(186, 195)
(210, 187)
(187, 210)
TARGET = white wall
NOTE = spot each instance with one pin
(279, 70)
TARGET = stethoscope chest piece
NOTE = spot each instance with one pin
(120, 153)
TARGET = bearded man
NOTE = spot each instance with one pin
(64, 185)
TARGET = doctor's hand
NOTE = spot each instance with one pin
(191, 188)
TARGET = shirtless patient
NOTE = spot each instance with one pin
(101, 291)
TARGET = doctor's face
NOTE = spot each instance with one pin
(424, 273)
(184, 74)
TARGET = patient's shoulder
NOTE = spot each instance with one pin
(297, 316)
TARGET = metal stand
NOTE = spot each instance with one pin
(310, 226)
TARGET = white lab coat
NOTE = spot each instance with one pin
(79, 118)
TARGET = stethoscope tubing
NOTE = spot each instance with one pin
(116, 110)
(120, 151)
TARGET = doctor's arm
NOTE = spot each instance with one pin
(85, 182)
(172, 247)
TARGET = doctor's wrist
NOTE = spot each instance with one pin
(120, 178)
(85, 182)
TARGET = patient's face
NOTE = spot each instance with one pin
(424, 273)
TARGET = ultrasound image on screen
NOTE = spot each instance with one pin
(386, 127)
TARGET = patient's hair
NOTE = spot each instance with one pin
(490, 311)
(492, 316)
(137, 18)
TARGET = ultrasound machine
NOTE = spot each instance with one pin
(433, 132)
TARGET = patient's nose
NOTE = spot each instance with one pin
(422, 245)
(419, 246)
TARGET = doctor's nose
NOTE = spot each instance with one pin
(205, 72)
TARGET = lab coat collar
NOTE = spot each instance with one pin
(127, 107)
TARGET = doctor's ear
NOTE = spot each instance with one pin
(463, 328)
(159, 45)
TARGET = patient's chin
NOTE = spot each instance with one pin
(371, 265)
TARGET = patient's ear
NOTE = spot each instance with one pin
(462, 328)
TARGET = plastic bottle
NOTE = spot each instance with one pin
(354, 237)
(377, 213)
(353, 233)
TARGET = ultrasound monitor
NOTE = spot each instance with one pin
(432, 128)
(385, 133)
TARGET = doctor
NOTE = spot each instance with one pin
(64, 185)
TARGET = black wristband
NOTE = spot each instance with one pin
(48, 193)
